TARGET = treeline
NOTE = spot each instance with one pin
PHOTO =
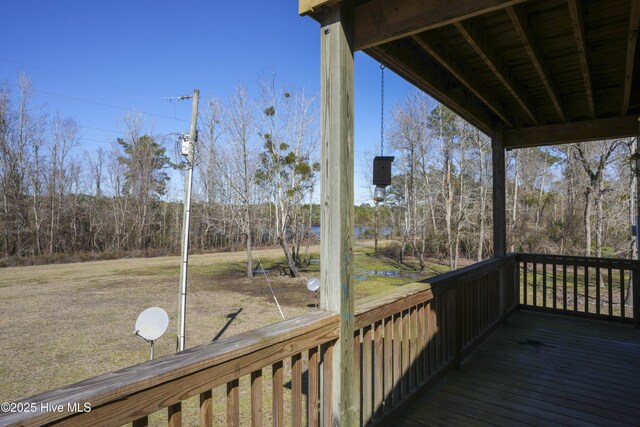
(570, 199)
(256, 170)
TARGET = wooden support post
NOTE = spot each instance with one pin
(499, 197)
(336, 194)
(499, 216)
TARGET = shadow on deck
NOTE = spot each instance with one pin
(541, 369)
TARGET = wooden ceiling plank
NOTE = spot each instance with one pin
(426, 75)
(497, 66)
(632, 39)
(442, 54)
(381, 21)
(565, 133)
(520, 24)
(577, 23)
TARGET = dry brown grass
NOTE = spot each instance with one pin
(67, 322)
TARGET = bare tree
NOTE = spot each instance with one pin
(481, 146)
(63, 141)
(594, 157)
(514, 200)
(443, 122)
(239, 122)
(285, 170)
(411, 136)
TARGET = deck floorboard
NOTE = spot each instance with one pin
(543, 370)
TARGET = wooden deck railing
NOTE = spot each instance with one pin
(403, 343)
(133, 393)
(579, 286)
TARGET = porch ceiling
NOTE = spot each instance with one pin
(542, 71)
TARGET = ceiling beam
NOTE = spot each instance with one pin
(565, 133)
(497, 66)
(381, 21)
(578, 33)
(520, 24)
(306, 7)
(441, 52)
(423, 72)
(632, 39)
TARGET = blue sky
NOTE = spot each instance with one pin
(131, 54)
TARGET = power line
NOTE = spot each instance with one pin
(166, 98)
(94, 140)
(102, 130)
(108, 105)
(88, 101)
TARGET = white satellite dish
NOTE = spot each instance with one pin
(151, 325)
(313, 284)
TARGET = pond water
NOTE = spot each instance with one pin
(365, 275)
(360, 231)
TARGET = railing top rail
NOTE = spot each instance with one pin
(378, 307)
(605, 262)
(467, 273)
(120, 384)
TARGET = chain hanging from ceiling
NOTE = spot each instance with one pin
(382, 109)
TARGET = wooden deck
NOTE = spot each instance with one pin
(541, 369)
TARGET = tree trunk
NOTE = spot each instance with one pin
(249, 255)
(293, 270)
(599, 219)
(375, 242)
(307, 256)
(587, 221)
(448, 211)
(421, 258)
(247, 212)
(541, 192)
(483, 203)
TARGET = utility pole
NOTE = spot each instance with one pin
(193, 135)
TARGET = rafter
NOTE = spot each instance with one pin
(439, 50)
(520, 24)
(427, 75)
(632, 39)
(578, 33)
(565, 133)
(381, 21)
(497, 66)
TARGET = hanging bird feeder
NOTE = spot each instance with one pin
(381, 176)
(381, 163)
